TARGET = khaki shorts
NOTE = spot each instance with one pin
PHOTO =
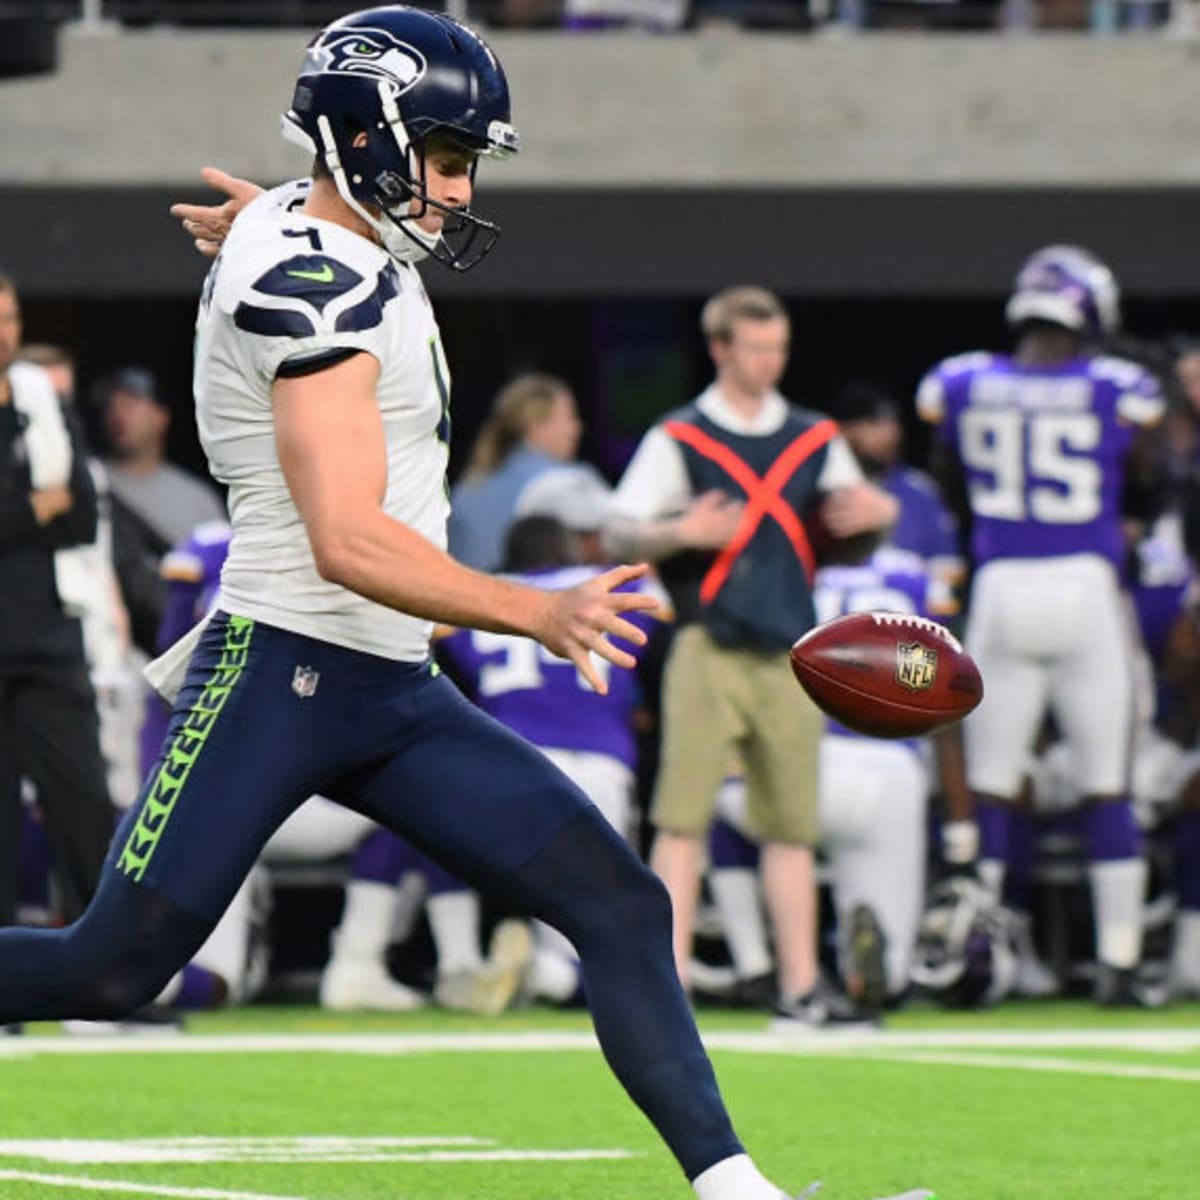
(723, 706)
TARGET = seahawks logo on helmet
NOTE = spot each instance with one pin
(371, 52)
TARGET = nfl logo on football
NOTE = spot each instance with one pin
(916, 665)
(304, 682)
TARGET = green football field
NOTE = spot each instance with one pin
(1031, 1102)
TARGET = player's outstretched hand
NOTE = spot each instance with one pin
(578, 622)
(209, 224)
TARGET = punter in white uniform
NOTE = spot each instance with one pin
(323, 403)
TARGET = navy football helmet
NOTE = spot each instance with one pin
(1067, 286)
(965, 956)
(374, 86)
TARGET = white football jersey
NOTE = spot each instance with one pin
(289, 289)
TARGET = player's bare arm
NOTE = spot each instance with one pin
(859, 508)
(209, 224)
(331, 446)
(708, 523)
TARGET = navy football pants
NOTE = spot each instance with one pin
(265, 719)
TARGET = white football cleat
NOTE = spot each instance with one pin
(348, 985)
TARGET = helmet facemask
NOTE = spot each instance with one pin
(383, 196)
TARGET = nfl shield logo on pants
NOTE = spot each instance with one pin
(304, 682)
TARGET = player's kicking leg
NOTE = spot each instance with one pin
(491, 808)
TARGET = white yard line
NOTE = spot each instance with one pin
(1069, 1066)
(198, 1150)
(81, 1183)
(816, 1043)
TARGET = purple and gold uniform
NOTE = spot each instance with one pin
(1043, 451)
(544, 698)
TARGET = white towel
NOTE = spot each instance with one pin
(48, 445)
(166, 673)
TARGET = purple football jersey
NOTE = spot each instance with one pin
(193, 574)
(1043, 449)
(543, 697)
(1164, 579)
(925, 526)
(891, 580)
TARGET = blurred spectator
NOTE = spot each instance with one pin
(606, 14)
(48, 723)
(1183, 439)
(155, 505)
(104, 617)
(578, 499)
(869, 418)
(587, 735)
(533, 426)
(717, 492)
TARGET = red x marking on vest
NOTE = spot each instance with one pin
(763, 495)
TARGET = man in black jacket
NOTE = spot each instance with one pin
(48, 722)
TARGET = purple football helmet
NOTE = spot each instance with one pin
(1067, 286)
(965, 956)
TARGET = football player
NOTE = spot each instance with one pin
(869, 419)
(1051, 452)
(322, 400)
(872, 800)
(231, 966)
(544, 698)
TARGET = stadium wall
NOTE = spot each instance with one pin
(878, 165)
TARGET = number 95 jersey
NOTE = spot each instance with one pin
(1043, 450)
(288, 295)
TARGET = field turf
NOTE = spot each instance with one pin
(1030, 1102)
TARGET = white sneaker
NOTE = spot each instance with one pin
(491, 988)
(348, 984)
(1035, 980)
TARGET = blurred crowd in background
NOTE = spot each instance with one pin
(109, 552)
(668, 16)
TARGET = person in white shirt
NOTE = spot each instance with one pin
(728, 495)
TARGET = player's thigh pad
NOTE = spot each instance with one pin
(1092, 684)
(704, 696)
(999, 734)
(859, 779)
(780, 753)
(460, 786)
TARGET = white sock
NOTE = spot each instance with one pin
(1118, 893)
(454, 923)
(735, 890)
(366, 925)
(1185, 953)
(735, 1178)
(991, 875)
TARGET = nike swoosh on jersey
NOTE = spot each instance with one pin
(324, 275)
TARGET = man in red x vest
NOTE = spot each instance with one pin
(719, 493)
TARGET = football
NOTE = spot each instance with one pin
(887, 674)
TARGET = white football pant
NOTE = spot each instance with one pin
(1050, 633)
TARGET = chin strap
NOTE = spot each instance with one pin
(395, 238)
